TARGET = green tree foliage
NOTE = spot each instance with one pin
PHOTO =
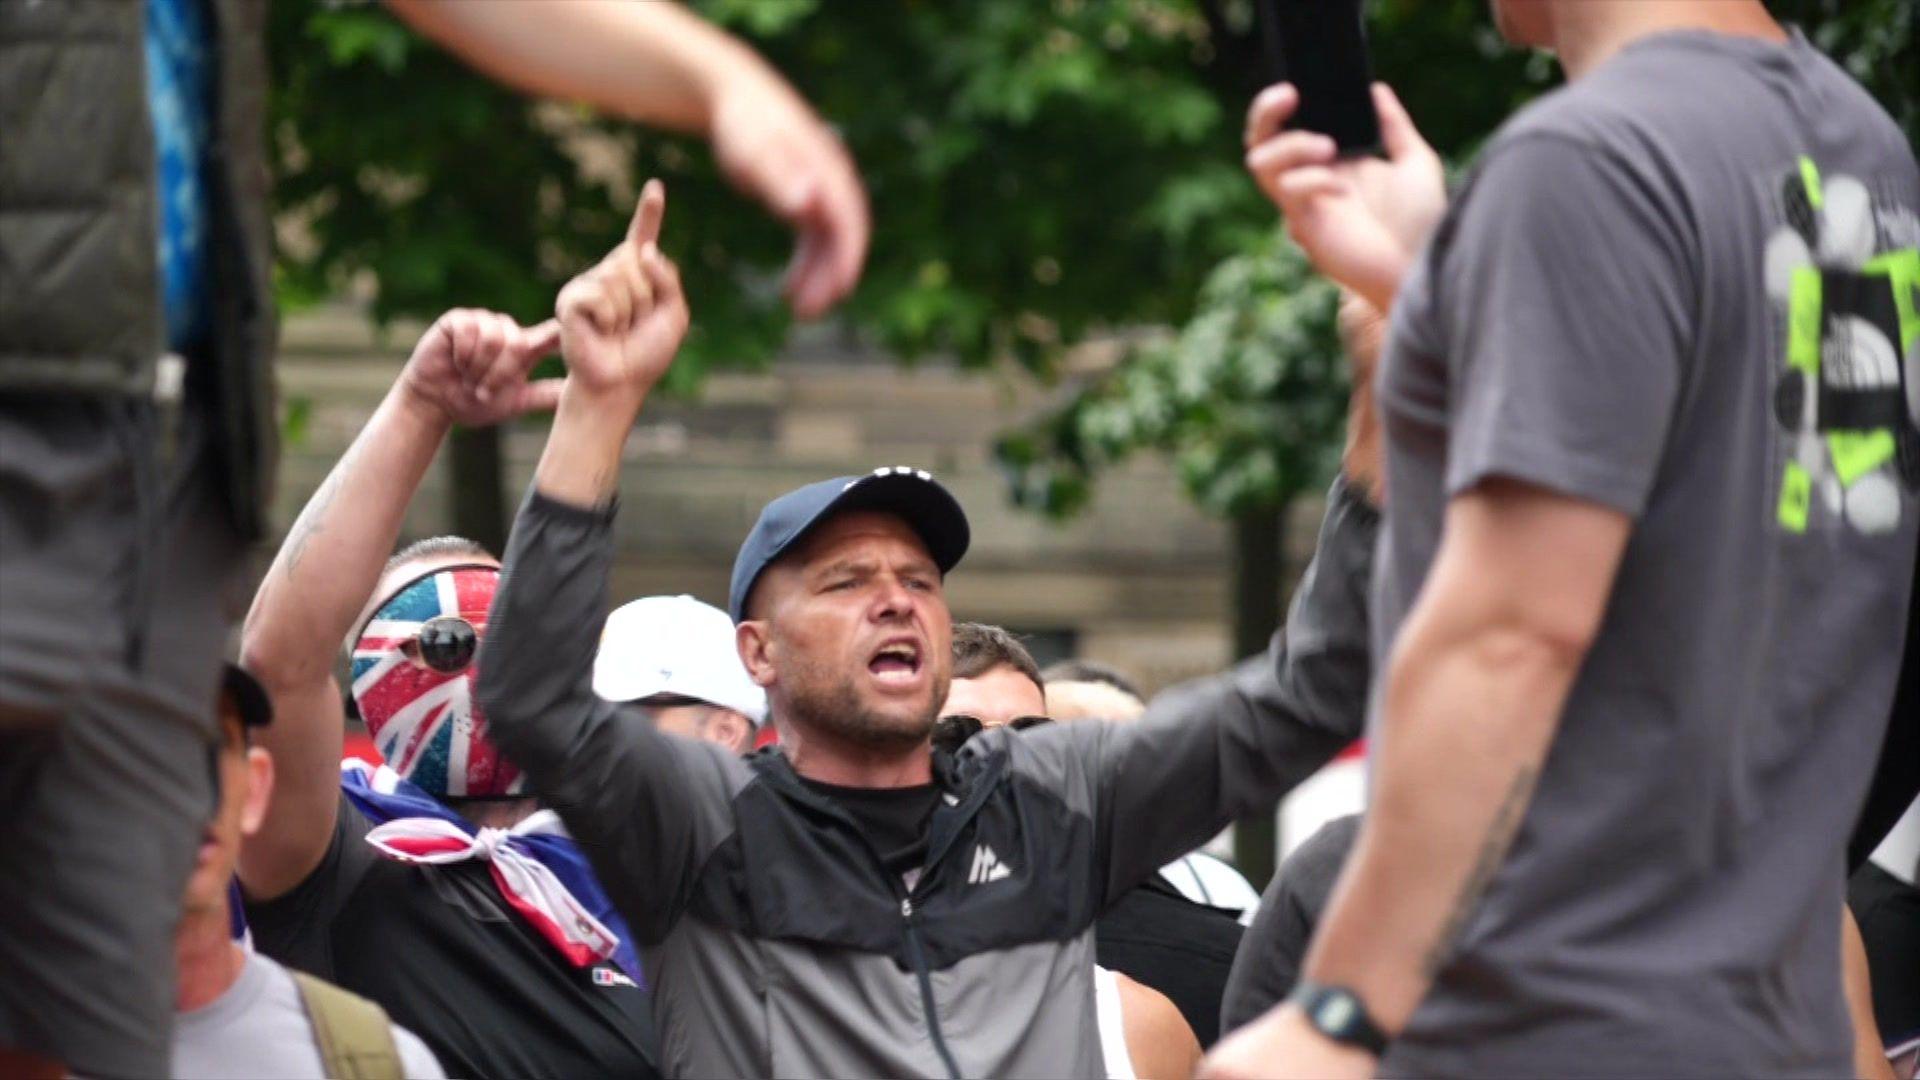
(1247, 398)
(1040, 171)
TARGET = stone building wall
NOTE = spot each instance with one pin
(1139, 581)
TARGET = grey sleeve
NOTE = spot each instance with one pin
(416, 1061)
(1565, 282)
(1267, 964)
(647, 808)
(1220, 748)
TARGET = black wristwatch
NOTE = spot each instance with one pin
(1336, 1012)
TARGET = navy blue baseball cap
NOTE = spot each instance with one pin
(913, 495)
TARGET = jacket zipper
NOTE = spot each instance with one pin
(919, 959)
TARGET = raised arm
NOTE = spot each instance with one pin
(1220, 748)
(470, 367)
(1217, 749)
(658, 63)
(647, 808)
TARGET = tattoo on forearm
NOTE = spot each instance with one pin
(1493, 851)
(313, 520)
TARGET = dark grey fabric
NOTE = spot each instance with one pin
(1268, 963)
(79, 284)
(778, 941)
(1888, 911)
(1617, 309)
(1155, 936)
(112, 623)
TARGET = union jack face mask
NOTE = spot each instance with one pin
(413, 673)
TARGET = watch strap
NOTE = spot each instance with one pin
(1339, 1014)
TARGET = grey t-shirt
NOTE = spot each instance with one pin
(1682, 287)
(259, 1027)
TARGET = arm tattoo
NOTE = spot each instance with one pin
(313, 520)
(1493, 851)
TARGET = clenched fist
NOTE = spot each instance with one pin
(472, 366)
(622, 321)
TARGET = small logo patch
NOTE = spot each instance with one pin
(606, 976)
(987, 867)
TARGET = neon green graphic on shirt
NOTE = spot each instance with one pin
(1810, 179)
(1803, 322)
(1796, 497)
(1902, 268)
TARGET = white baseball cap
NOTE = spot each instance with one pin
(674, 645)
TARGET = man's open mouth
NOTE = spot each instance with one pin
(896, 661)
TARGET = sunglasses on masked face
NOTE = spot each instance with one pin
(444, 643)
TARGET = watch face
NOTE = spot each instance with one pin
(1334, 1012)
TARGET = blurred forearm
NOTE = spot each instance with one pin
(651, 61)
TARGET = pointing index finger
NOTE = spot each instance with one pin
(646, 216)
(541, 339)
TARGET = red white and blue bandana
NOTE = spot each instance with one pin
(425, 723)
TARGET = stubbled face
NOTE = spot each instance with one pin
(995, 697)
(244, 786)
(853, 639)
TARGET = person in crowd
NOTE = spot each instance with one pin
(432, 884)
(138, 427)
(1267, 967)
(1884, 895)
(850, 902)
(1091, 690)
(239, 1013)
(1169, 944)
(674, 657)
(1618, 457)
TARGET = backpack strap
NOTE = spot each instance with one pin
(354, 1035)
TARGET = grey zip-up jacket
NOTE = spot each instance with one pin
(776, 942)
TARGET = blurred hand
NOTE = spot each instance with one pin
(1361, 220)
(622, 321)
(1282, 1044)
(773, 147)
(472, 366)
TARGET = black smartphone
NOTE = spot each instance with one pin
(1320, 46)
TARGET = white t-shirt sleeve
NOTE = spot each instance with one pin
(416, 1060)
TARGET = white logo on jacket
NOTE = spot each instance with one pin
(987, 867)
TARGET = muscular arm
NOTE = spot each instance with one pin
(333, 556)
(1473, 694)
(305, 606)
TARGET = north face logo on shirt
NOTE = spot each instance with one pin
(986, 867)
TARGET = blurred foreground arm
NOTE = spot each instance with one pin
(658, 63)
(1473, 695)
(470, 367)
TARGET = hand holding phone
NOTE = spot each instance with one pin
(1320, 46)
(1361, 219)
